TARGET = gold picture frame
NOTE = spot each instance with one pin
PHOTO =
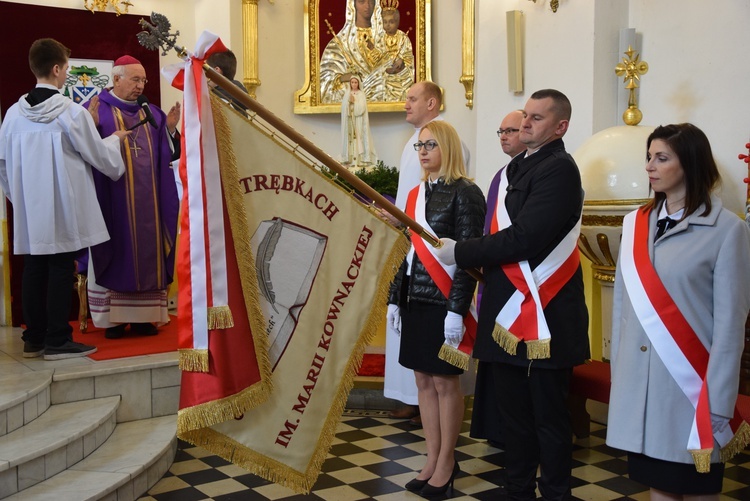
(330, 56)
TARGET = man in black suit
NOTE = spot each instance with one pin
(533, 341)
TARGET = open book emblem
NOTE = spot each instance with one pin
(287, 259)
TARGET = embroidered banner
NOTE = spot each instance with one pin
(318, 264)
(209, 271)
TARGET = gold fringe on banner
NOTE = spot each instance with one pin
(505, 339)
(193, 422)
(231, 450)
(198, 417)
(702, 460)
(277, 472)
(740, 440)
(191, 360)
(454, 356)
(241, 237)
(220, 317)
(538, 349)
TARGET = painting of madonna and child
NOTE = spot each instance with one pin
(382, 42)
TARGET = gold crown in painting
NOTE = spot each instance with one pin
(389, 4)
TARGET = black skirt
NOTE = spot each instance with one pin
(675, 478)
(422, 335)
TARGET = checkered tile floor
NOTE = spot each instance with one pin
(372, 457)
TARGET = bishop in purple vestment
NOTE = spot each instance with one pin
(129, 274)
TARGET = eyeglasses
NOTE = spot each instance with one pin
(137, 81)
(428, 145)
(507, 131)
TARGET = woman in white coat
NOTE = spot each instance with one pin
(358, 149)
(682, 294)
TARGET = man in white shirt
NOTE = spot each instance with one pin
(48, 145)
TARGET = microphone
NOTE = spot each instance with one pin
(143, 102)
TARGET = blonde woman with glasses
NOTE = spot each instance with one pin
(429, 301)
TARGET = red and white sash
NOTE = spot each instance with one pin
(442, 275)
(201, 262)
(522, 317)
(675, 342)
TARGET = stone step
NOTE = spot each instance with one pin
(149, 386)
(56, 440)
(23, 397)
(370, 399)
(129, 463)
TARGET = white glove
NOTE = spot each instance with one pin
(394, 318)
(454, 329)
(718, 423)
(446, 254)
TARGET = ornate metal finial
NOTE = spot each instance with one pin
(631, 70)
(101, 5)
(157, 36)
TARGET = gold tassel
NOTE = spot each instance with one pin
(740, 440)
(505, 339)
(220, 317)
(193, 360)
(454, 356)
(538, 349)
(702, 460)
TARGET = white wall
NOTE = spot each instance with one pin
(557, 54)
(698, 72)
(696, 50)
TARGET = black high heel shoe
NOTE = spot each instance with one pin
(416, 485)
(431, 491)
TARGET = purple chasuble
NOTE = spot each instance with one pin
(140, 208)
(491, 208)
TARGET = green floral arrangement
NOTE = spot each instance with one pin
(382, 178)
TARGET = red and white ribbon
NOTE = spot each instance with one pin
(202, 282)
(673, 338)
(442, 274)
(522, 316)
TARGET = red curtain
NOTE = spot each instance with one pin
(101, 35)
